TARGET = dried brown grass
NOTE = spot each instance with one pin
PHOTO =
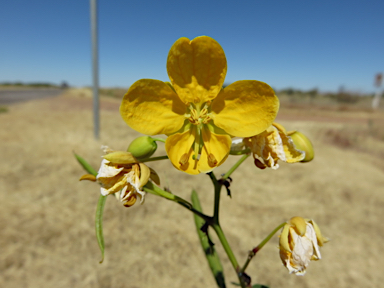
(47, 216)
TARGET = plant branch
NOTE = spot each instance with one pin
(153, 189)
(154, 159)
(253, 252)
(234, 167)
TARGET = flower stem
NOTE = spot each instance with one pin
(159, 139)
(154, 159)
(253, 252)
(227, 248)
(216, 226)
(153, 189)
(217, 186)
(234, 167)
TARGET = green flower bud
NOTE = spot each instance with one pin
(142, 147)
(302, 143)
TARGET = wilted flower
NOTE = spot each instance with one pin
(123, 175)
(197, 114)
(302, 143)
(300, 240)
(272, 145)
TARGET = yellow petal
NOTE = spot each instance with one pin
(180, 151)
(151, 107)
(320, 238)
(144, 174)
(245, 108)
(215, 150)
(279, 127)
(120, 157)
(292, 155)
(197, 68)
(299, 224)
(88, 177)
(284, 244)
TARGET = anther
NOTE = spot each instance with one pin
(212, 160)
(183, 159)
(259, 164)
(131, 201)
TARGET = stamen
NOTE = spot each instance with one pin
(183, 159)
(207, 119)
(212, 160)
(259, 164)
(203, 112)
(130, 201)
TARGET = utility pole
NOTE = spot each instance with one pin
(95, 68)
(376, 98)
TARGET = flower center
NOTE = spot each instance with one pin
(198, 116)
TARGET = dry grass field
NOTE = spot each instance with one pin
(47, 236)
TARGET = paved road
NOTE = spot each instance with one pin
(13, 96)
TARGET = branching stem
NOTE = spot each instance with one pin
(253, 252)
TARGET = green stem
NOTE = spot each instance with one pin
(153, 189)
(154, 159)
(159, 139)
(227, 248)
(241, 152)
(220, 234)
(217, 186)
(209, 250)
(253, 252)
(234, 167)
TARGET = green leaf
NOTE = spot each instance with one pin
(85, 165)
(253, 286)
(99, 208)
(99, 224)
(210, 252)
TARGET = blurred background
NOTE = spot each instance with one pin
(324, 60)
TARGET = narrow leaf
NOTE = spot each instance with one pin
(210, 251)
(253, 286)
(99, 224)
(99, 208)
(85, 165)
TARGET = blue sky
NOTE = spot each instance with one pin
(300, 44)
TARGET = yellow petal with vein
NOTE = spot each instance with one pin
(151, 107)
(197, 68)
(215, 150)
(245, 108)
(179, 147)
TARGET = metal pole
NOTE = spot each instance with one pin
(95, 68)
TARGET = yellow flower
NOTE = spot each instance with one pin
(272, 145)
(121, 174)
(300, 240)
(194, 111)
